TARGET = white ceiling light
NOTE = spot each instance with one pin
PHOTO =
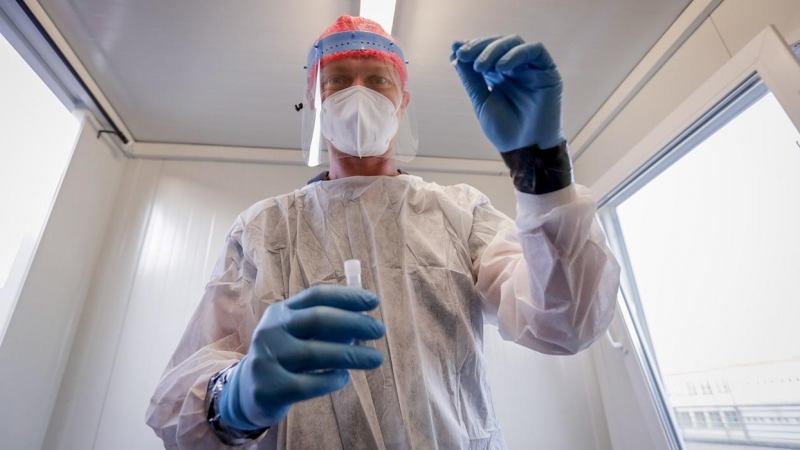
(381, 11)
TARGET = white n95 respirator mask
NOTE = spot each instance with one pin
(359, 121)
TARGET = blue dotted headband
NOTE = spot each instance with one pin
(351, 40)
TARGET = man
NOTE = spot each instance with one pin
(277, 356)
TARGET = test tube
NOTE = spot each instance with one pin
(352, 276)
(352, 273)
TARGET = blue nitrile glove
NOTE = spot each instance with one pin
(523, 107)
(300, 350)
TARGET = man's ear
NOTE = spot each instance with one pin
(404, 103)
(309, 100)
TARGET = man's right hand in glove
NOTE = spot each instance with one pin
(301, 349)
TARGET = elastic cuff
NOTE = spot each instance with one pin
(539, 171)
(528, 204)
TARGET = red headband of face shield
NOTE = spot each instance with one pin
(355, 37)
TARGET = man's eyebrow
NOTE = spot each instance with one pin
(381, 69)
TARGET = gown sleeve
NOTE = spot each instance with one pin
(549, 281)
(217, 336)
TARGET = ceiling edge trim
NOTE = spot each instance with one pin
(49, 28)
(191, 152)
(684, 26)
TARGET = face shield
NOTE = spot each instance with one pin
(358, 104)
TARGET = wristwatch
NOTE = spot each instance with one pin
(227, 435)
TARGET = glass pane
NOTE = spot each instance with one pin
(37, 134)
(714, 243)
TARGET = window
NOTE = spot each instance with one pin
(715, 418)
(732, 419)
(684, 418)
(706, 230)
(718, 231)
(700, 419)
(37, 134)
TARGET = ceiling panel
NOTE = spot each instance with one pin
(596, 43)
(206, 72)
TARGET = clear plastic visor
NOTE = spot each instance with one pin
(358, 104)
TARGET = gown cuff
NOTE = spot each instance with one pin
(537, 205)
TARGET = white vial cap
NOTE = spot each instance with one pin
(352, 267)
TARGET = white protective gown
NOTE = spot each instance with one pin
(442, 260)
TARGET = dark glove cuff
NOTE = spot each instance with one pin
(227, 435)
(539, 171)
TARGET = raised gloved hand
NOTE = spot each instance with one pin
(515, 89)
(300, 350)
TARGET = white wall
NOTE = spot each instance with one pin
(37, 343)
(732, 25)
(629, 411)
(169, 225)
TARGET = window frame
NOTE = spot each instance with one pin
(766, 64)
(24, 30)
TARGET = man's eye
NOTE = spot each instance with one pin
(380, 81)
(338, 82)
(335, 81)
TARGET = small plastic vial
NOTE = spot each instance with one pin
(352, 276)
(352, 273)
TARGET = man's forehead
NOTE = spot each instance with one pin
(351, 64)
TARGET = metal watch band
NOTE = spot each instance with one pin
(227, 435)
